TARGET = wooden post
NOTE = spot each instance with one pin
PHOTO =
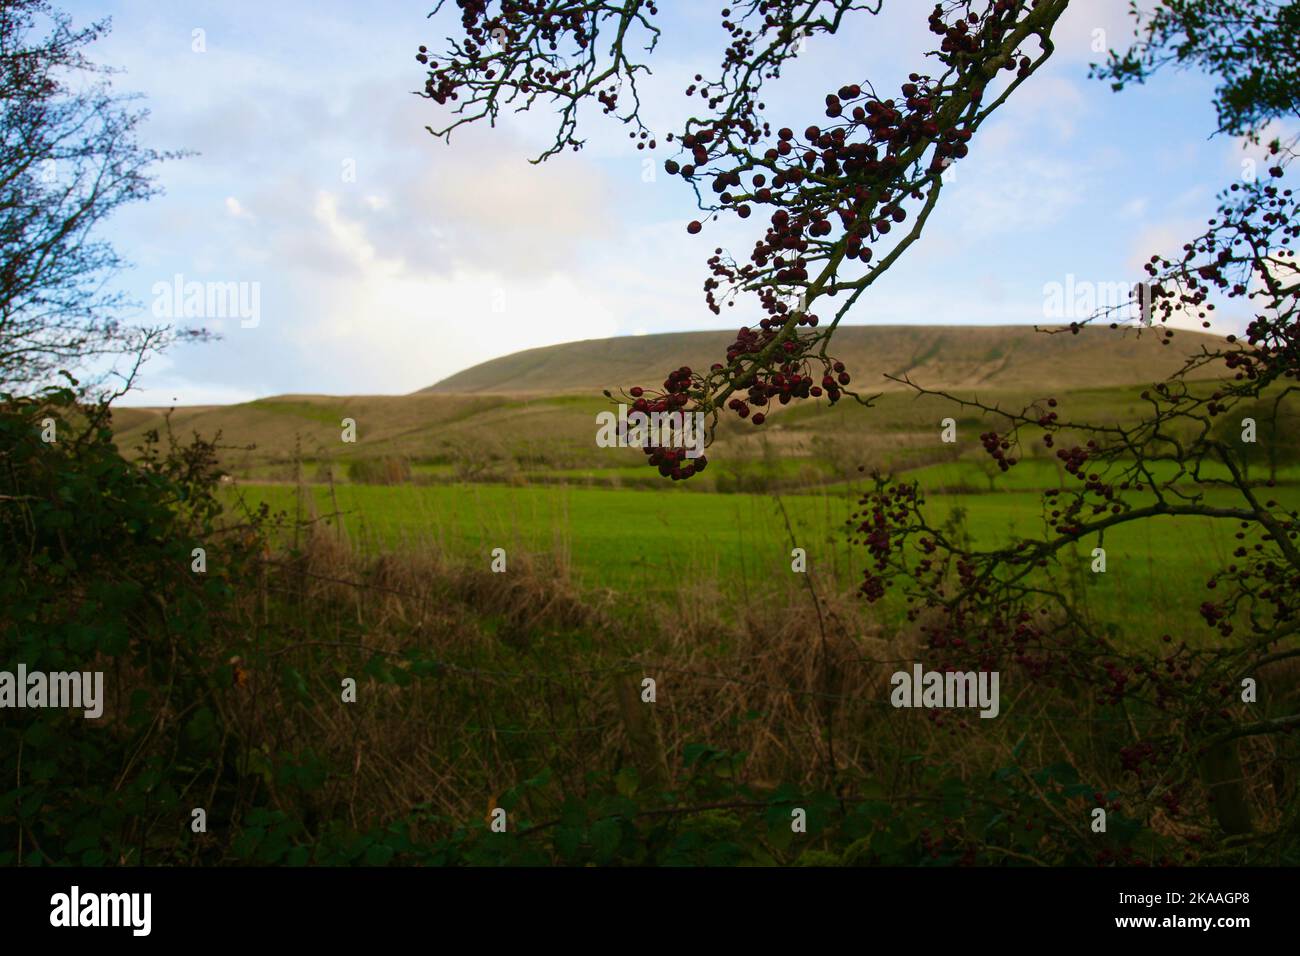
(642, 733)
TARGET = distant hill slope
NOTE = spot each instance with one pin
(935, 355)
(537, 408)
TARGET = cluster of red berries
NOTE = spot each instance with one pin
(671, 461)
(1074, 459)
(886, 517)
(1169, 679)
(761, 384)
(863, 157)
(1216, 616)
(792, 379)
(1046, 421)
(1000, 635)
(948, 836)
(1143, 757)
(997, 448)
(961, 41)
(675, 394)
(1173, 799)
(1116, 682)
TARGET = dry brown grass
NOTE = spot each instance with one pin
(528, 681)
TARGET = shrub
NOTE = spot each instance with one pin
(96, 557)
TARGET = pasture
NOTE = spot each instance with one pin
(645, 543)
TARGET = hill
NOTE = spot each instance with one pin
(534, 412)
(957, 357)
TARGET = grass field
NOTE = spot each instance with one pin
(646, 543)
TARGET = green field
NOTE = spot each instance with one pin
(647, 543)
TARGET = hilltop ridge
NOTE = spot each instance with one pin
(944, 356)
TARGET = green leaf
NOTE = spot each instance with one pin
(378, 855)
(626, 781)
(605, 837)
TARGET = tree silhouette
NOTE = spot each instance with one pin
(68, 159)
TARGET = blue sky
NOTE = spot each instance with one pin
(430, 258)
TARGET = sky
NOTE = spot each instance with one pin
(380, 259)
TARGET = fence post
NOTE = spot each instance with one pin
(642, 734)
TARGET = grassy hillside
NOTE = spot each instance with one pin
(955, 357)
(533, 414)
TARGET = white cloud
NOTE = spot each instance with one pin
(1018, 194)
(1160, 238)
(236, 209)
(1134, 208)
(1086, 30)
(395, 334)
